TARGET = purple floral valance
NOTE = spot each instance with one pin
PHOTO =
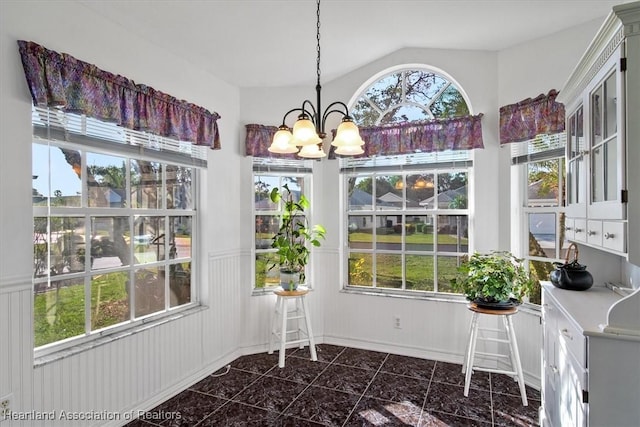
(460, 133)
(530, 117)
(60, 80)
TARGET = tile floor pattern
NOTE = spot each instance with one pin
(345, 387)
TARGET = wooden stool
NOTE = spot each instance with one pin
(514, 357)
(283, 315)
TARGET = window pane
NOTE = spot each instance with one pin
(149, 285)
(543, 183)
(611, 168)
(62, 167)
(180, 284)
(542, 235)
(180, 237)
(360, 230)
(386, 91)
(106, 181)
(420, 274)
(109, 248)
(266, 227)
(452, 190)
(109, 299)
(263, 184)
(62, 251)
(421, 86)
(450, 104)
(389, 232)
(388, 271)
(453, 233)
(419, 231)
(420, 190)
(58, 310)
(360, 269)
(610, 111)
(148, 239)
(447, 269)
(388, 197)
(596, 116)
(360, 193)
(405, 113)
(146, 184)
(179, 188)
(266, 275)
(597, 175)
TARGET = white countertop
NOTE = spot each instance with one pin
(588, 309)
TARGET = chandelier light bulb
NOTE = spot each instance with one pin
(304, 132)
(281, 143)
(349, 150)
(347, 134)
(311, 152)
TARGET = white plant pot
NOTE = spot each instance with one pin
(289, 280)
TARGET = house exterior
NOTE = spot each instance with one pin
(138, 371)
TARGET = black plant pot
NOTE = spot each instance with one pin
(490, 303)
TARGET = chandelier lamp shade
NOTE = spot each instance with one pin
(308, 131)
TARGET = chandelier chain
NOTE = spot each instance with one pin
(318, 40)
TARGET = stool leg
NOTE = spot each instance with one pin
(274, 322)
(307, 321)
(470, 354)
(283, 333)
(513, 344)
(299, 311)
(466, 349)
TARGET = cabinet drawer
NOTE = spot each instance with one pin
(613, 236)
(569, 224)
(594, 232)
(580, 230)
(573, 339)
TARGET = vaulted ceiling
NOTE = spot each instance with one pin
(273, 42)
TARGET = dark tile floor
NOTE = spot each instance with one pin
(345, 387)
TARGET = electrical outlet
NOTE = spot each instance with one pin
(396, 322)
(5, 407)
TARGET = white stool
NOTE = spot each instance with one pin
(514, 357)
(283, 315)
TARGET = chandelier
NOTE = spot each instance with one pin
(309, 129)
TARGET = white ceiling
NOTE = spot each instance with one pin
(273, 42)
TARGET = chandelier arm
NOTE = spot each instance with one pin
(300, 109)
(329, 110)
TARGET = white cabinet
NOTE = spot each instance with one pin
(603, 139)
(589, 377)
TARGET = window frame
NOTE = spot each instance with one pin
(280, 168)
(168, 265)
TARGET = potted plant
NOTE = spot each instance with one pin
(293, 237)
(495, 279)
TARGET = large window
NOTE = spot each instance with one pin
(540, 175)
(114, 234)
(267, 175)
(407, 216)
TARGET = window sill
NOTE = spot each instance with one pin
(440, 297)
(99, 340)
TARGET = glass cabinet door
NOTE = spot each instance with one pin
(576, 188)
(604, 150)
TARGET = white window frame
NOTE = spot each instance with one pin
(294, 168)
(55, 129)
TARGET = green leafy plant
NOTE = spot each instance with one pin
(294, 235)
(494, 277)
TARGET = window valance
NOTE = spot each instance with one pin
(60, 80)
(460, 133)
(530, 117)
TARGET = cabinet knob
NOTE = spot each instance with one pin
(591, 233)
(565, 332)
(568, 228)
(579, 230)
(609, 235)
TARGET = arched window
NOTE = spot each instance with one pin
(409, 95)
(407, 215)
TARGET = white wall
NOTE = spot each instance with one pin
(140, 370)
